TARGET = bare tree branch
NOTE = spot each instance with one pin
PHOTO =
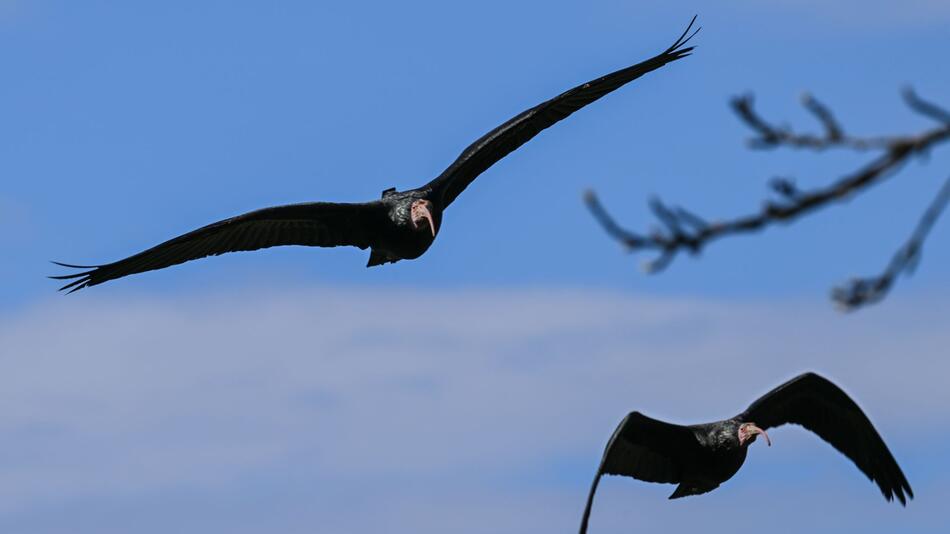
(861, 291)
(684, 231)
(923, 107)
(772, 136)
(833, 131)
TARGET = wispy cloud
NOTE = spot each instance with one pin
(368, 407)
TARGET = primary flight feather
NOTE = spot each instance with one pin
(400, 226)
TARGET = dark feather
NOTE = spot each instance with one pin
(501, 141)
(645, 449)
(822, 407)
(316, 224)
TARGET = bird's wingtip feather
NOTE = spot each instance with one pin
(685, 36)
(81, 283)
(71, 266)
(68, 276)
(78, 280)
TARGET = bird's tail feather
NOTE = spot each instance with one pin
(685, 490)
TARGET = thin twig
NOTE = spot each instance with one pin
(772, 136)
(923, 107)
(861, 291)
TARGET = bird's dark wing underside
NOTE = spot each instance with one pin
(321, 224)
(648, 449)
(501, 141)
(645, 449)
(817, 404)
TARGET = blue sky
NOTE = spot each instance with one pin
(232, 394)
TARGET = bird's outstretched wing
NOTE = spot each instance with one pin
(320, 224)
(501, 141)
(645, 449)
(817, 404)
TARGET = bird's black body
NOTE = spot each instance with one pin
(397, 240)
(701, 457)
(718, 457)
(388, 225)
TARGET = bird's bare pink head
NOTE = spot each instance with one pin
(422, 211)
(748, 432)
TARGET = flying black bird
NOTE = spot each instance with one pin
(400, 226)
(701, 457)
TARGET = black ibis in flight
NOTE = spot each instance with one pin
(400, 226)
(701, 457)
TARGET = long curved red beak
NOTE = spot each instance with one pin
(420, 210)
(750, 431)
(427, 215)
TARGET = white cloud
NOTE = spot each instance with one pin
(415, 397)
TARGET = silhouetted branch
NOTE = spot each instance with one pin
(683, 230)
(923, 107)
(861, 291)
(771, 136)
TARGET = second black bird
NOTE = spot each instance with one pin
(701, 457)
